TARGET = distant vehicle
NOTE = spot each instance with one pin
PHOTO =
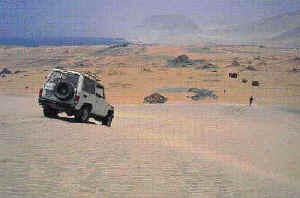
(233, 75)
(255, 83)
(77, 94)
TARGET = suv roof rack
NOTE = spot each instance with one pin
(87, 73)
(91, 75)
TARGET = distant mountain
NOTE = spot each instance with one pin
(60, 41)
(172, 23)
(178, 29)
(166, 29)
(293, 34)
(265, 29)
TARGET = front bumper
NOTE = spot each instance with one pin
(56, 105)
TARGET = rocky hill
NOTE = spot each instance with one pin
(291, 35)
(166, 29)
(277, 28)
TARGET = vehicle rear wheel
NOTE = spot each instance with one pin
(108, 119)
(49, 112)
(77, 117)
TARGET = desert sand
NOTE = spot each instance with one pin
(207, 148)
(168, 150)
(133, 72)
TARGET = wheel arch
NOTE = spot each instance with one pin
(110, 112)
(87, 105)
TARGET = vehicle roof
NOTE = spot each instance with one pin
(79, 73)
(69, 71)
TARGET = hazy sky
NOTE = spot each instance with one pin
(112, 18)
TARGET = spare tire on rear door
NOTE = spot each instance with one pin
(63, 90)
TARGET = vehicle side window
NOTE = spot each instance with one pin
(100, 92)
(88, 86)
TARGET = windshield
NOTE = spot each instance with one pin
(58, 76)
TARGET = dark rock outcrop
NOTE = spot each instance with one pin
(202, 94)
(185, 61)
(295, 70)
(251, 68)
(244, 80)
(5, 71)
(182, 59)
(155, 98)
(255, 83)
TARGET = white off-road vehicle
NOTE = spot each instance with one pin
(78, 94)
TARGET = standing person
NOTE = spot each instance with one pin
(251, 100)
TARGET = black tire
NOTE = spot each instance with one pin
(83, 114)
(64, 90)
(108, 119)
(77, 117)
(50, 113)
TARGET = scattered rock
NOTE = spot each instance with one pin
(115, 50)
(180, 61)
(211, 80)
(297, 58)
(251, 68)
(235, 63)
(257, 58)
(59, 67)
(5, 71)
(295, 70)
(18, 71)
(119, 45)
(82, 63)
(173, 90)
(155, 98)
(262, 63)
(255, 83)
(201, 94)
(4, 161)
(202, 50)
(26, 87)
(185, 61)
(209, 66)
(147, 70)
(274, 58)
(233, 75)
(200, 61)
(244, 80)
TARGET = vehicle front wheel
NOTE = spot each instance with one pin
(48, 112)
(83, 114)
(108, 120)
